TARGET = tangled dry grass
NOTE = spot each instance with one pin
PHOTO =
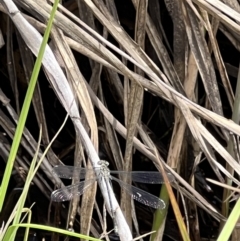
(133, 76)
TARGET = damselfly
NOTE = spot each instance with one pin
(68, 172)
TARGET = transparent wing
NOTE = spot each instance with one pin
(142, 196)
(144, 177)
(69, 172)
(67, 193)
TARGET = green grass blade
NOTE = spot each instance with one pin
(25, 109)
(230, 224)
(160, 215)
(13, 229)
(23, 196)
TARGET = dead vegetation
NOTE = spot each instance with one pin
(132, 75)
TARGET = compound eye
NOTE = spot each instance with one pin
(103, 163)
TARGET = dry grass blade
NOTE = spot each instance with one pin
(225, 9)
(203, 59)
(144, 235)
(89, 197)
(154, 10)
(78, 85)
(219, 14)
(135, 103)
(219, 60)
(179, 218)
(223, 185)
(162, 55)
(179, 37)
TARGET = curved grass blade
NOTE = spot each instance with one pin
(15, 227)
